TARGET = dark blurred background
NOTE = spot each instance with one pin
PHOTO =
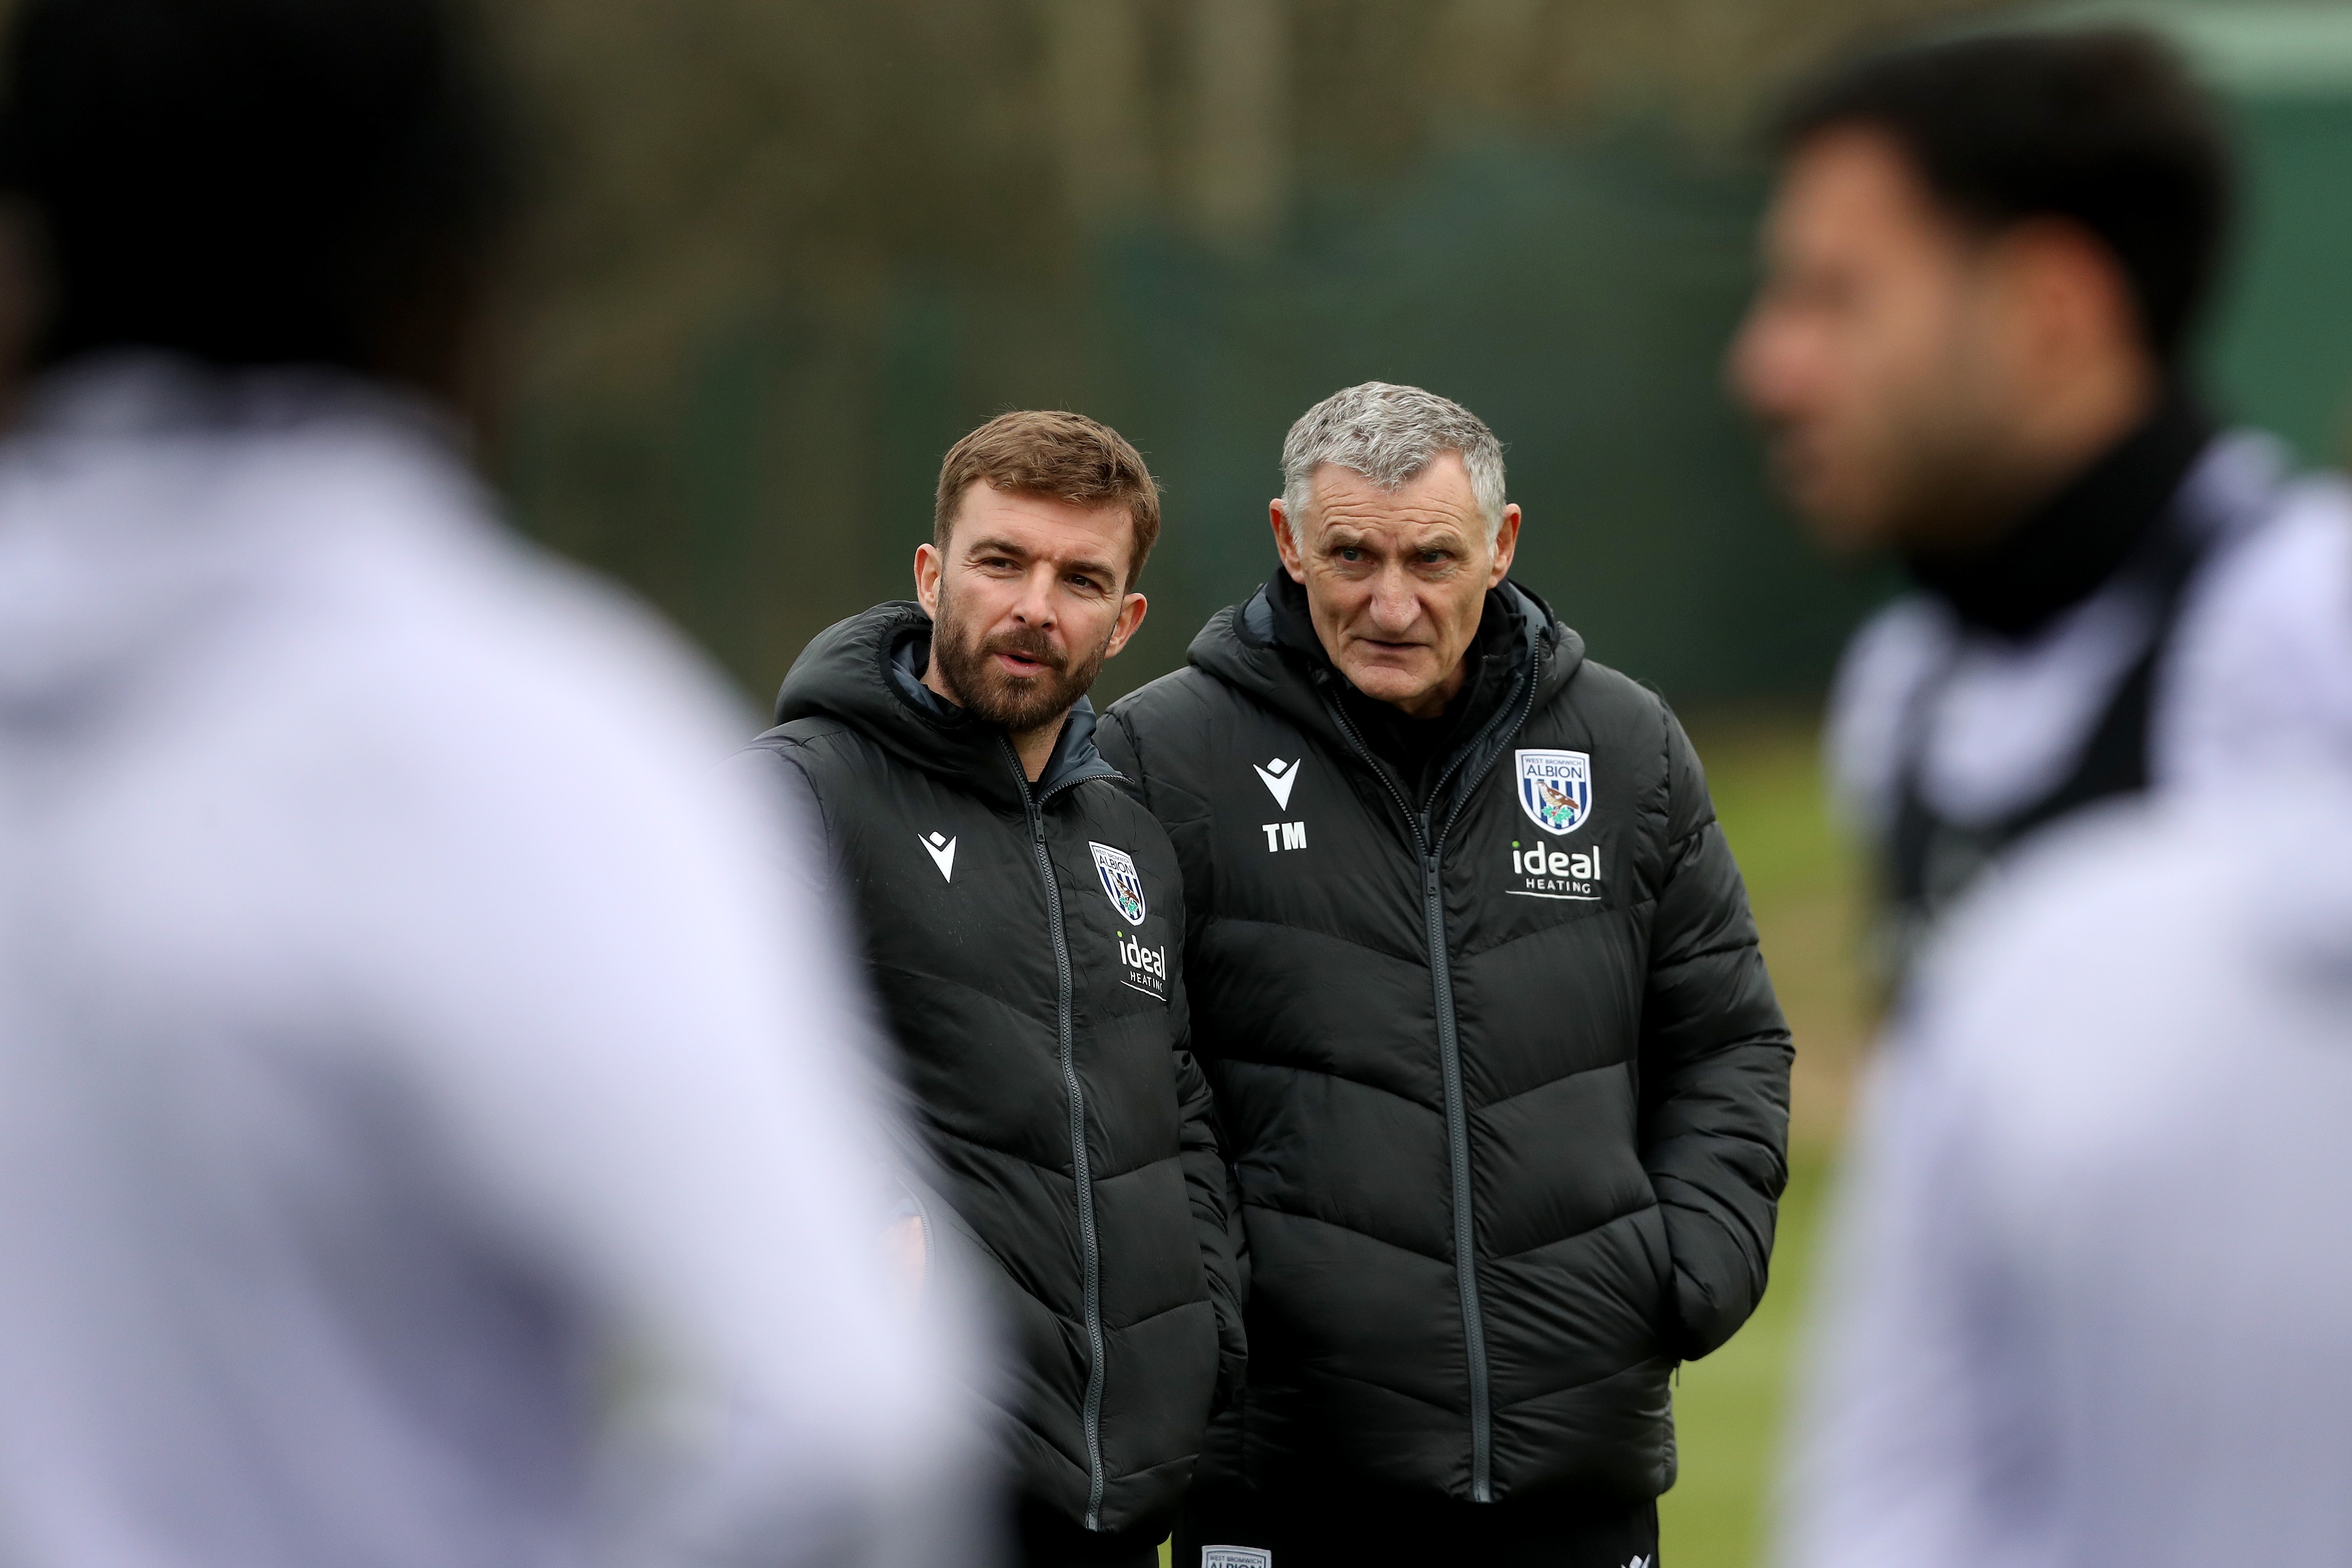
(788, 251)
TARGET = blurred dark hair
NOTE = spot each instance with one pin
(2104, 127)
(250, 181)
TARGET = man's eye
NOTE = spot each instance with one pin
(1350, 553)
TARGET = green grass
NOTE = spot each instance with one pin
(1803, 883)
(1729, 1408)
(1764, 772)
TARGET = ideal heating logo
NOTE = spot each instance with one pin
(1146, 967)
(1545, 872)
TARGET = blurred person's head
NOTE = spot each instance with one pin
(1392, 519)
(253, 183)
(1041, 527)
(1983, 263)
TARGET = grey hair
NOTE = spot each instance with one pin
(1390, 434)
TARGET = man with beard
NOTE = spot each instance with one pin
(1024, 919)
(1971, 349)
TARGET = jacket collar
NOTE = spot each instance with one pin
(1259, 647)
(866, 672)
(2062, 552)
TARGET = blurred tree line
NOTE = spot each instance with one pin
(786, 251)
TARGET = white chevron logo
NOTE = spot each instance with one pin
(942, 853)
(1279, 776)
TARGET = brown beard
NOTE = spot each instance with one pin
(1017, 703)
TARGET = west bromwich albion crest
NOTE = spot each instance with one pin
(1120, 881)
(1556, 789)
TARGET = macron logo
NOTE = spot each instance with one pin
(1279, 776)
(942, 853)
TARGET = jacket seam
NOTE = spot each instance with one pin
(1749, 1242)
(1543, 933)
(1334, 1374)
(1680, 959)
(1127, 1325)
(1777, 1039)
(1634, 1213)
(949, 1135)
(1436, 1109)
(1616, 1065)
(1661, 1359)
(1421, 962)
(1376, 1240)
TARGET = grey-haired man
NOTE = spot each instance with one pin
(1474, 981)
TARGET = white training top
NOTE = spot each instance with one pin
(2259, 670)
(2089, 1302)
(429, 1134)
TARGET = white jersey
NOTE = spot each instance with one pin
(2090, 1298)
(427, 1134)
(2258, 671)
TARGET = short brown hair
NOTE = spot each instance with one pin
(1046, 452)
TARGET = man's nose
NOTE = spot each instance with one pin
(1395, 605)
(1035, 607)
(1765, 363)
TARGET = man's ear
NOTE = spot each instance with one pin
(1507, 544)
(1130, 616)
(1284, 545)
(929, 564)
(2075, 295)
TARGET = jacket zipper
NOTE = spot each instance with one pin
(1449, 1055)
(1089, 1249)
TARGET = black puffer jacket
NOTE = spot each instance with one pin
(1027, 944)
(1490, 1200)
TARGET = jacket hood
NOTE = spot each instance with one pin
(1243, 647)
(146, 501)
(868, 672)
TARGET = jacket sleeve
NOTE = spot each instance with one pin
(1208, 1178)
(1715, 1060)
(772, 776)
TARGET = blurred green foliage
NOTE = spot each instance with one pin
(789, 251)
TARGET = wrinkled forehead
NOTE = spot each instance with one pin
(1042, 527)
(1438, 502)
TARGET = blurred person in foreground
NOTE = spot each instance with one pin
(425, 1137)
(1023, 923)
(2090, 1299)
(1983, 265)
(1476, 983)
